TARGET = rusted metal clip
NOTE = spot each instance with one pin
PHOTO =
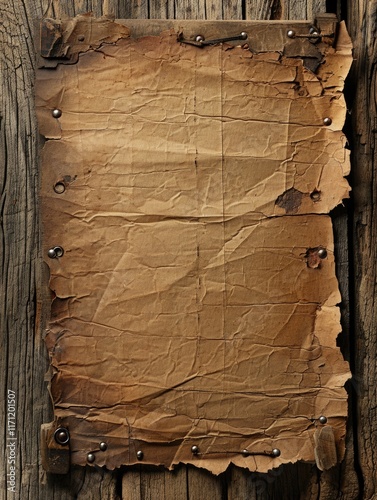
(200, 41)
(313, 35)
(245, 453)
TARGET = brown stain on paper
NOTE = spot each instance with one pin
(290, 200)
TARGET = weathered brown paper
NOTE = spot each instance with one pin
(196, 300)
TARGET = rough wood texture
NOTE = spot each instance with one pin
(23, 355)
(362, 100)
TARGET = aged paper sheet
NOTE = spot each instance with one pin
(196, 300)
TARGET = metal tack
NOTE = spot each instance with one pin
(61, 435)
(243, 35)
(103, 446)
(313, 32)
(322, 253)
(90, 457)
(59, 251)
(51, 253)
(55, 252)
(327, 121)
(56, 113)
(194, 449)
(59, 188)
(276, 452)
(139, 455)
(315, 195)
(322, 419)
(291, 33)
(245, 453)
(199, 38)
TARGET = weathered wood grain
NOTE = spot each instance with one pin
(263, 9)
(362, 100)
(344, 476)
(288, 9)
(23, 355)
(200, 481)
(151, 483)
(176, 484)
(233, 9)
(23, 358)
(241, 485)
(131, 484)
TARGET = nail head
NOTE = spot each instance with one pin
(56, 113)
(61, 435)
(322, 253)
(327, 121)
(315, 195)
(103, 446)
(199, 38)
(322, 419)
(55, 252)
(291, 33)
(51, 253)
(139, 455)
(194, 449)
(243, 35)
(90, 457)
(59, 188)
(276, 452)
(245, 453)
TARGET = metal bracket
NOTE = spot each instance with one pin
(313, 35)
(200, 41)
(55, 449)
(323, 30)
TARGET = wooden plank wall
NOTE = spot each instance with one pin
(23, 284)
(361, 93)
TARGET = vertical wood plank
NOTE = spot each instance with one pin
(176, 484)
(189, 9)
(213, 10)
(82, 483)
(317, 7)
(296, 9)
(349, 488)
(232, 9)
(96, 483)
(152, 484)
(131, 484)
(259, 9)
(23, 356)
(70, 8)
(292, 481)
(241, 485)
(134, 9)
(161, 10)
(362, 99)
(200, 481)
(111, 8)
(286, 482)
